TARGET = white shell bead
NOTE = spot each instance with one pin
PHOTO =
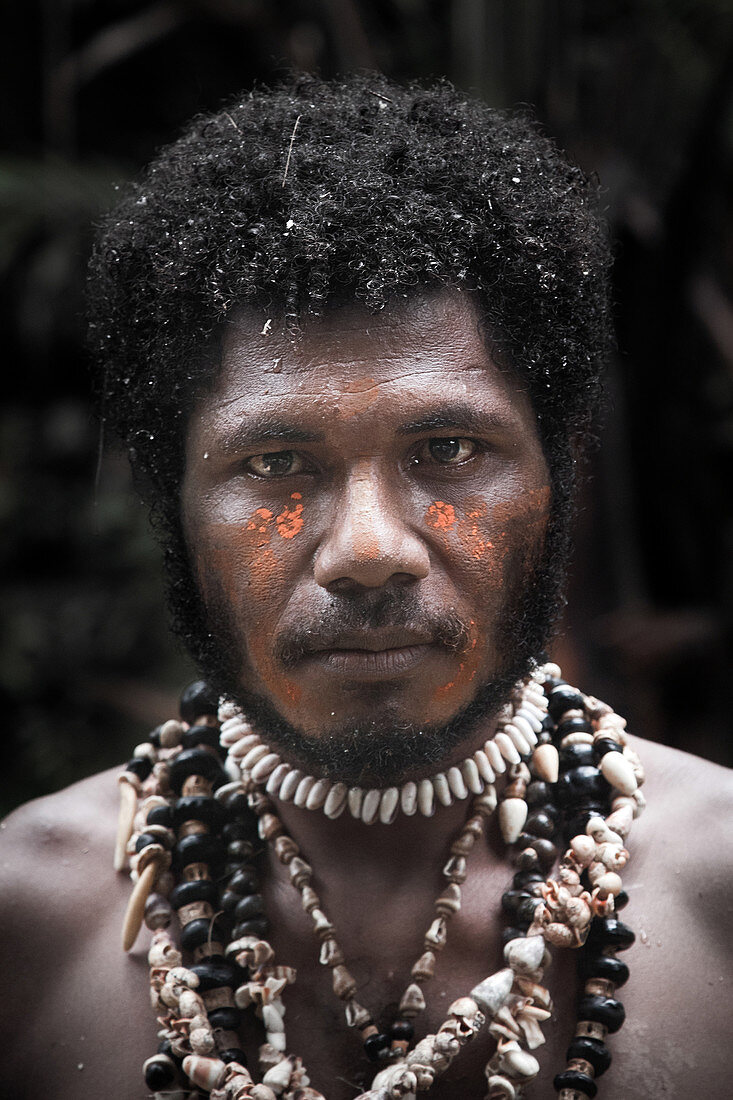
(512, 816)
(318, 794)
(242, 746)
(525, 728)
(426, 798)
(526, 953)
(520, 741)
(370, 806)
(519, 1063)
(507, 748)
(304, 788)
(456, 783)
(494, 756)
(531, 715)
(231, 767)
(335, 803)
(265, 766)
(408, 798)
(251, 758)
(617, 770)
(388, 805)
(230, 734)
(442, 790)
(484, 767)
(355, 799)
(276, 778)
(492, 992)
(472, 777)
(290, 785)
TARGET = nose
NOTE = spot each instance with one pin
(369, 543)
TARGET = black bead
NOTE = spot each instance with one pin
(375, 1044)
(621, 901)
(541, 824)
(577, 819)
(402, 1031)
(140, 766)
(249, 907)
(606, 744)
(574, 1079)
(257, 926)
(538, 793)
(239, 849)
(604, 966)
(195, 762)
(511, 900)
(524, 879)
(144, 839)
(196, 700)
(164, 1047)
(609, 932)
(201, 889)
(528, 860)
(546, 851)
(244, 881)
(159, 1074)
(563, 698)
(576, 756)
(216, 972)
(238, 806)
(154, 737)
(198, 807)
(590, 1050)
(581, 785)
(234, 1054)
(602, 1010)
(201, 735)
(197, 848)
(226, 1018)
(509, 934)
(200, 931)
(526, 911)
(161, 815)
(229, 901)
(243, 829)
(572, 725)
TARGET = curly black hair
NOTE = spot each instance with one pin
(303, 195)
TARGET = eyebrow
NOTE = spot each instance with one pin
(458, 415)
(264, 429)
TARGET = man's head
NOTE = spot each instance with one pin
(404, 297)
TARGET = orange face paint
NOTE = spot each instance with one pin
(290, 521)
(440, 516)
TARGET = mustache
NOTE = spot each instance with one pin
(377, 611)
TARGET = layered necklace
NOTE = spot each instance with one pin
(199, 799)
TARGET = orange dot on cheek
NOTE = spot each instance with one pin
(290, 521)
(440, 516)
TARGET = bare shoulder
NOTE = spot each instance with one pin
(46, 844)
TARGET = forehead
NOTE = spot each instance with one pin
(424, 352)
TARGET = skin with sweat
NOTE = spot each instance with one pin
(370, 505)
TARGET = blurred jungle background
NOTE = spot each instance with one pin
(639, 91)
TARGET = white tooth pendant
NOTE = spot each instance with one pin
(512, 816)
(546, 763)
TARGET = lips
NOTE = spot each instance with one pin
(373, 654)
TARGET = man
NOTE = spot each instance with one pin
(351, 335)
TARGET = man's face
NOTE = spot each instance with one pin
(363, 509)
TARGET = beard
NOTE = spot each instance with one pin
(381, 751)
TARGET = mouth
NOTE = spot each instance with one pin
(373, 655)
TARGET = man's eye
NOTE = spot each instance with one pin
(275, 464)
(451, 452)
